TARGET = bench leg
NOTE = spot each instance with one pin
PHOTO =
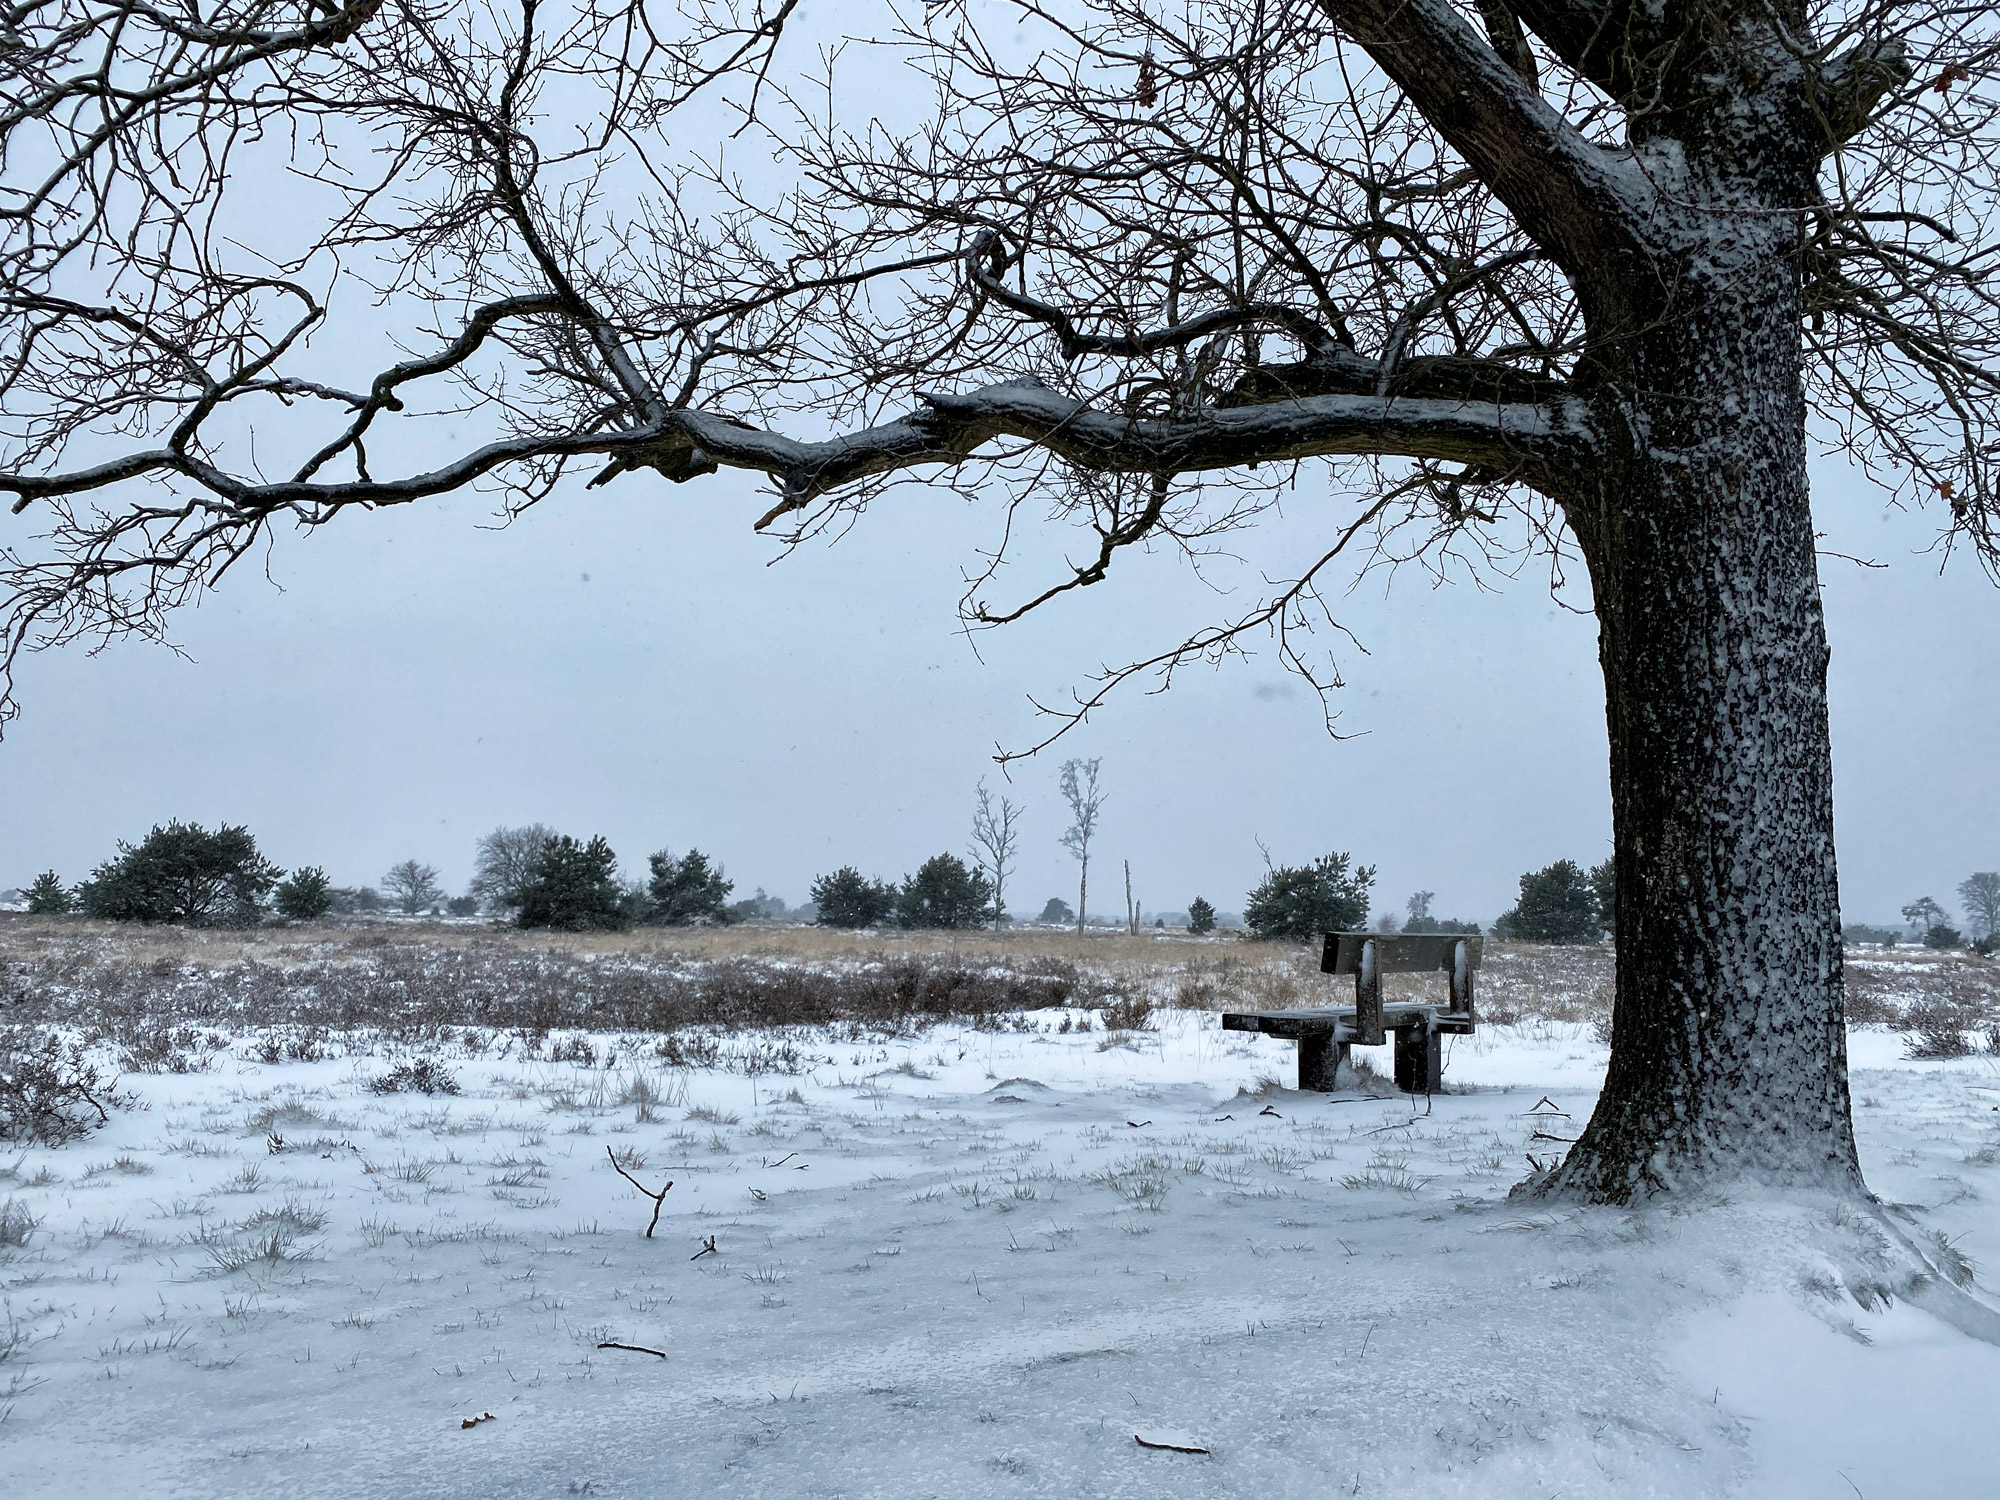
(1368, 999)
(1320, 1061)
(1419, 1060)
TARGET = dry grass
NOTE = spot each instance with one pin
(147, 988)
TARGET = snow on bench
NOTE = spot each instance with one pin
(1326, 1033)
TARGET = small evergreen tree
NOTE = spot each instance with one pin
(574, 887)
(180, 872)
(1057, 913)
(307, 896)
(1943, 935)
(847, 898)
(945, 892)
(1201, 916)
(1328, 895)
(687, 891)
(1557, 905)
(1604, 889)
(463, 906)
(48, 897)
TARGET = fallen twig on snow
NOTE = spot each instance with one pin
(659, 1198)
(635, 1348)
(707, 1248)
(485, 1416)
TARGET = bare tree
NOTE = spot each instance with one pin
(504, 864)
(1079, 789)
(1980, 895)
(1569, 278)
(996, 837)
(413, 886)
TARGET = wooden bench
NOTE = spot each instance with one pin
(1326, 1033)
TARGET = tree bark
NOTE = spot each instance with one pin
(1728, 1054)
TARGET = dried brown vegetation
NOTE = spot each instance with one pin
(164, 996)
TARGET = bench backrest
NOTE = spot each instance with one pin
(1398, 952)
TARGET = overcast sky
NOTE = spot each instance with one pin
(626, 663)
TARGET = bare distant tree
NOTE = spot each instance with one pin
(1079, 789)
(1980, 895)
(504, 864)
(1567, 276)
(413, 886)
(996, 836)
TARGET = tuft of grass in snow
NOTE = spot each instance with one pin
(16, 1224)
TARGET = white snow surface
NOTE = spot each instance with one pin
(966, 1263)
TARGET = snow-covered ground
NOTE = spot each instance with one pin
(967, 1263)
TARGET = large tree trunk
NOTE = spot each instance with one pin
(1728, 1053)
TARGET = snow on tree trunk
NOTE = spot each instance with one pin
(1728, 1053)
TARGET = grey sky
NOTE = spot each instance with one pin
(624, 662)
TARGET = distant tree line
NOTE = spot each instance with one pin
(535, 877)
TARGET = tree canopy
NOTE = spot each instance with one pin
(1575, 278)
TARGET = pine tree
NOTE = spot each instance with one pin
(1328, 895)
(945, 892)
(847, 898)
(1558, 905)
(307, 896)
(48, 897)
(1201, 916)
(686, 892)
(574, 887)
(180, 872)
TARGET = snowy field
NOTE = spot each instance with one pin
(966, 1262)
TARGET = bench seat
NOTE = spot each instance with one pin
(1326, 1034)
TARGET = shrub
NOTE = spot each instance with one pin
(1938, 1033)
(847, 898)
(1301, 902)
(1201, 916)
(1058, 913)
(181, 872)
(1942, 936)
(574, 887)
(686, 892)
(307, 896)
(50, 1093)
(420, 1076)
(945, 892)
(1557, 905)
(463, 906)
(47, 896)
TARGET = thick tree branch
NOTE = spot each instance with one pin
(1544, 441)
(1578, 201)
(1848, 89)
(1588, 35)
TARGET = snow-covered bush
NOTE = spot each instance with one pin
(421, 1076)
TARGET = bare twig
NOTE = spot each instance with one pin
(659, 1198)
